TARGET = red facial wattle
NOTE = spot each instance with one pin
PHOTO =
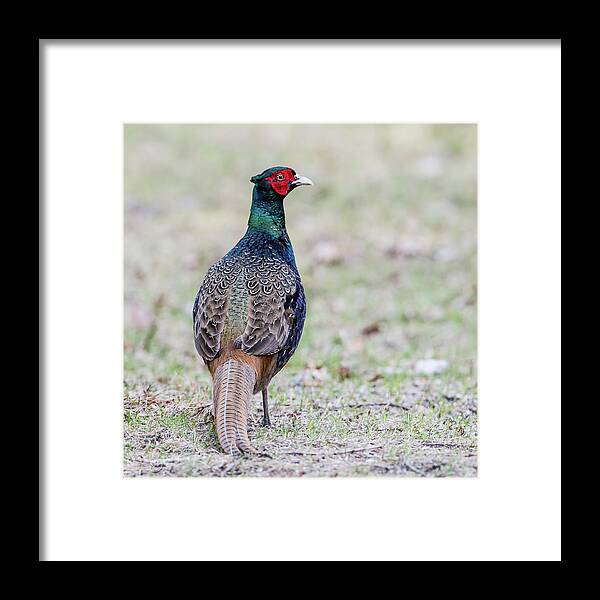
(280, 184)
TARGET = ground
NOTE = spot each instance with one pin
(384, 381)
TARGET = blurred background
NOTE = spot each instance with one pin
(385, 243)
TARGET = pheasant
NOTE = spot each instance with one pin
(250, 310)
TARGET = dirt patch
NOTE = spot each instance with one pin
(425, 429)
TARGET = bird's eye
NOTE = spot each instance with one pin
(279, 177)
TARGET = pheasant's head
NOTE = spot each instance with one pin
(279, 180)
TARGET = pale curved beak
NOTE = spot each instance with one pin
(300, 180)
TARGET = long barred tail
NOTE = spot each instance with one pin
(233, 384)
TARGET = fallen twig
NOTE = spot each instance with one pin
(326, 454)
(435, 444)
(385, 404)
(414, 469)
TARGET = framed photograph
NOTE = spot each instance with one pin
(310, 289)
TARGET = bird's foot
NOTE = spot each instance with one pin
(266, 422)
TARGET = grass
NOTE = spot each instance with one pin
(386, 246)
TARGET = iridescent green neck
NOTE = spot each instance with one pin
(267, 214)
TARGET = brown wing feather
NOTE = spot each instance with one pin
(268, 285)
(211, 306)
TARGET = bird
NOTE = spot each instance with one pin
(250, 310)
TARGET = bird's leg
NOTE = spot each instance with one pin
(266, 419)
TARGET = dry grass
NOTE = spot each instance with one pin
(386, 245)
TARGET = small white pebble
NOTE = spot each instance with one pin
(430, 366)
